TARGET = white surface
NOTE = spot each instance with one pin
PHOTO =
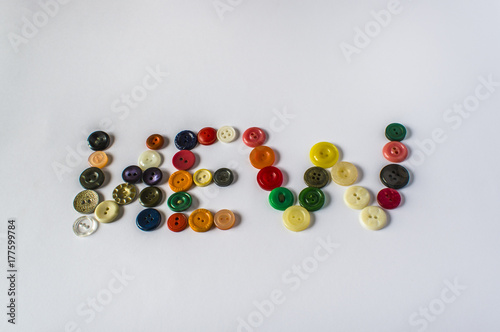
(263, 58)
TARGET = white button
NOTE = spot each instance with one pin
(149, 159)
(357, 197)
(85, 226)
(226, 134)
(373, 218)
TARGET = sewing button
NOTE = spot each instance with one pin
(186, 140)
(201, 220)
(92, 178)
(98, 159)
(149, 158)
(223, 177)
(152, 176)
(224, 219)
(373, 218)
(155, 142)
(394, 176)
(184, 160)
(148, 220)
(226, 134)
(207, 136)
(106, 212)
(389, 198)
(254, 137)
(395, 152)
(344, 173)
(85, 226)
(262, 156)
(180, 181)
(324, 154)
(395, 132)
(124, 193)
(86, 201)
(357, 197)
(296, 218)
(316, 177)
(281, 198)
(98, 141)
(312, 199)
(150, 197)
(177, 222)
(180, 201)
(202, 177)
(270, 178)
(132, 174)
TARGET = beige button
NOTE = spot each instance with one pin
(124, 194)
(344, 173)
(226, 134)
(224, 219)
(107, 212)
(149, 158)
(357, 197)
(98, 159)
(373, 218)
(86, 201)
(296, 218)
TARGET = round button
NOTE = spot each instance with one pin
(184, 160)
(155, 142)
(186, 140)
(85, 226)
(124, 193)
(201, 220)
(316, 177)
(324, 154)
(202, 177)
(180, 201)
(98, 141)
(224, 219)
(357, 197)
(254, 137)
(223, 177)
(312, 199)
(296, 218)
(98, 159)
(148, 220)
(106, 212)
(92, 178)
(395, 152)
(281, 198)
(395, 132)
(207, 136)
(262, 156)
(149, 159)
(180, 181)
(394, 176)
(132, 174)
(226, 134)
(373, 218)
(150, 197)
(152, 176)
(177, 222)
(344, 173)
(389, 198)
(270, 178)
(86, 201)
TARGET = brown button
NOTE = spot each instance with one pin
(201, 220)
(98, 159)
(86, 201)
(224, 219)
(155, 142)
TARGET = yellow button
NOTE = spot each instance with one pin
(202, 177)
(201, 220)
(296, 218)
(98, 159)
(180, 181)
(344, 173)
(324, 154)
(124, 194)
(357, 197)
(373, 218)
(107, 212)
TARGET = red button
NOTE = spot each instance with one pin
(183, 160)
(270, 178)
(389, 198)
(177, 222)
(207, 136)
(254, 137)
(395, 152)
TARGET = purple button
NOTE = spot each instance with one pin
(132, 174)
(152, 176)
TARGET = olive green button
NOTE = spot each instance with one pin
(316, 177)
(124, 193)
(150, 197)
(281, 198)
(92, 178)
(106, 212)
(312, 199)
(395, 132)
(180, 201)
(86, 201)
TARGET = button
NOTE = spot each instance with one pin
(98, 141)
(148, 220)
(389, 198)
(223, 177)
(184, 160)
(92, 178)
(201, 220)
(106, 212)
(224, 219)
(152, 176)
(180, 181)
(324, 154)
(180, 201)
(207, 136)
(357, 197)
(177, 222)
(262, 156)
(226, 134)
(202, 177)
(132, 174)
(124, 193)
(395, 132)
(186, 140)
(344, 173)
(270, 178)
(395, 152)
(150, 197)
(312, 199)
(373, 218)
(155, 142)
(85, 226)
(86, 201)
(394, 176)
(296, 218)
(98, 159)
(149, 159)
(281, 198)
(316, 177)
(254, 137)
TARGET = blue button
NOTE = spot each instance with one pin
(186, 140)
(148, 220)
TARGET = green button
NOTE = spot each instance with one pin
(312, 199)
(281, 198)
(150, 197)
(395, 132)
(316, 177)
(180, 201)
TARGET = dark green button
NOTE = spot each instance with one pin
(92, 178)
(150, 197)
(394, 176)
(395, 132)
(180, 201)
(281, 198)
(316, 177)
(223, 177)
(312, 199)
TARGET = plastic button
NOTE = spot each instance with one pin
(86, 201)
(107, 212)
(226, 134)
(177, 222)
(344, 173)
(202, 177)
(180, 201)
(224, 219)
(201, 220)
(312, 199)
(132, 174)
(184, 160)
(92, 178)
(316, 177)
(395, 132)
(394, 176)
(98, 141)
(357, 197)
(207, 136)
(324, 154)
(152, 176)
(148, 220)
(395, 152)
(150, 197)
(98, 159)
(389, 198)
(281, 198)
(155, 142)
(223, 177)
(254, 137)
(149, 159)
(180, 181)
(85, 226)
(296, 218)
(262, 156)
(124, 193)
(186, 140)
(270, 178)
(373, 218)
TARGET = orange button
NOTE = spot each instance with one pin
(201, 220)
(98, 159)
(155, 142)
(262, 156)
(180, 181)
(224, 219)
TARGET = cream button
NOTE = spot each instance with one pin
(373, 218)
(357, 197)
(149, 159)
(107, 212)
(226, 134)
(85, 226)
(344, 173)
(296, 218)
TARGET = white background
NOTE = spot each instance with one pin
(243, 67)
